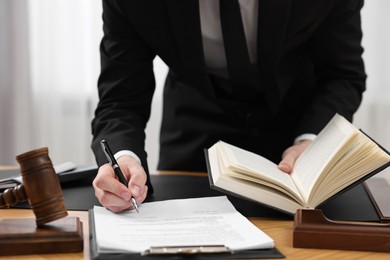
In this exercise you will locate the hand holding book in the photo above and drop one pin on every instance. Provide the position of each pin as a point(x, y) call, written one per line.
point(338, 158)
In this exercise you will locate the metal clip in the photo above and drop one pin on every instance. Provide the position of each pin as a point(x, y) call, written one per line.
point(173, 250)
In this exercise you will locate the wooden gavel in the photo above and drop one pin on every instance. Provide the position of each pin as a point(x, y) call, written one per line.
point(40, 186)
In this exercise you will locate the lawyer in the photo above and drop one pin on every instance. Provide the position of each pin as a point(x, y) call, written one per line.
point(264, 75)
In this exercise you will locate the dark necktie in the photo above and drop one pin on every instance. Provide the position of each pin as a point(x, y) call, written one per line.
point(237, 56)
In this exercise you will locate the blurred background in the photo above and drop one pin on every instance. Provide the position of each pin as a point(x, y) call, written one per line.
point(49, 65)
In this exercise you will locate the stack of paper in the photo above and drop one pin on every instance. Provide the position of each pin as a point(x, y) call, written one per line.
point(183, 222)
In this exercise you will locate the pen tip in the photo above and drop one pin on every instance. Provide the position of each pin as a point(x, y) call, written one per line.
point(135, 205)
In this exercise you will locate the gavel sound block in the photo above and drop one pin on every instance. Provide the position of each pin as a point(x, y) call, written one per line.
point(51, 231)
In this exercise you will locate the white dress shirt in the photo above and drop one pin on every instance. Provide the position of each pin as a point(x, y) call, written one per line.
point(214, 51)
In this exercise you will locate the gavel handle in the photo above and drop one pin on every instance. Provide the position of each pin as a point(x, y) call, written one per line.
point(12, 196)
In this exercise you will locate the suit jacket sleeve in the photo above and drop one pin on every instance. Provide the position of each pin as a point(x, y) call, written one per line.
point(125, 86)
point(336, 53)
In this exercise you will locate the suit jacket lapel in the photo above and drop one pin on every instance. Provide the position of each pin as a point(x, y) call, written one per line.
point(272, 26)
point(185, 19)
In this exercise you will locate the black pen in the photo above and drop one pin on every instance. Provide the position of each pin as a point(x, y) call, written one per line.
point(117, 169)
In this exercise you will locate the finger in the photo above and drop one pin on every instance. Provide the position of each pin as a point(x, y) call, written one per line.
point(137, 187)
point(291, 154)
point(105, 181)
point(141, 198)
point(111, 201)
point(288, 160)
point(117, 209)
point(137, 181)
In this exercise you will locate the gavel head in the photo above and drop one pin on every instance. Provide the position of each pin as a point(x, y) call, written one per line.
point(41, 186)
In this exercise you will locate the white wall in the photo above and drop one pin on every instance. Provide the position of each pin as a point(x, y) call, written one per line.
point(374, 114)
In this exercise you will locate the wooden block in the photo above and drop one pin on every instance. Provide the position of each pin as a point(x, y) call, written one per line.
point(379, 191)
point(22, 236)
point(313, 230)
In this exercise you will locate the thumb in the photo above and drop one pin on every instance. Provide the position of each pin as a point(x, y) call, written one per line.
point(291, 154)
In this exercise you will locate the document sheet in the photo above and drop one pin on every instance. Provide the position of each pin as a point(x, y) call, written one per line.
point(181, 222)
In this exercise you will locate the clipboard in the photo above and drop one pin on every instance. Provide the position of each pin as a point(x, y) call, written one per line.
point(271, 253)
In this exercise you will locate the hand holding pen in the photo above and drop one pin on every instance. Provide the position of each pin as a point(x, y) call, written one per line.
point(110, 157)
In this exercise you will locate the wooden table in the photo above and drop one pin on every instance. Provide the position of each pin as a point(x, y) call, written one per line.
point(279, 230)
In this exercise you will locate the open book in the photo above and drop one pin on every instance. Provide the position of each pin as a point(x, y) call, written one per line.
point(340, 157)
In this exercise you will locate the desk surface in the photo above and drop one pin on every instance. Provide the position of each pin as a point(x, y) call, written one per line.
point(279, 230)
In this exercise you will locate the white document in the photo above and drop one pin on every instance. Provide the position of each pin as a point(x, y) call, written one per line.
point(182, 222)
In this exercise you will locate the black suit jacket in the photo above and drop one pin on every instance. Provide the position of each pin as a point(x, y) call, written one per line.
point(309, 62)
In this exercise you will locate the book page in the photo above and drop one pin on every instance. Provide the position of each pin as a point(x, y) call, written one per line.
point(263, 194)
point(182, 222)
point(250, 166)
point(363, 156)
point(319, 154)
